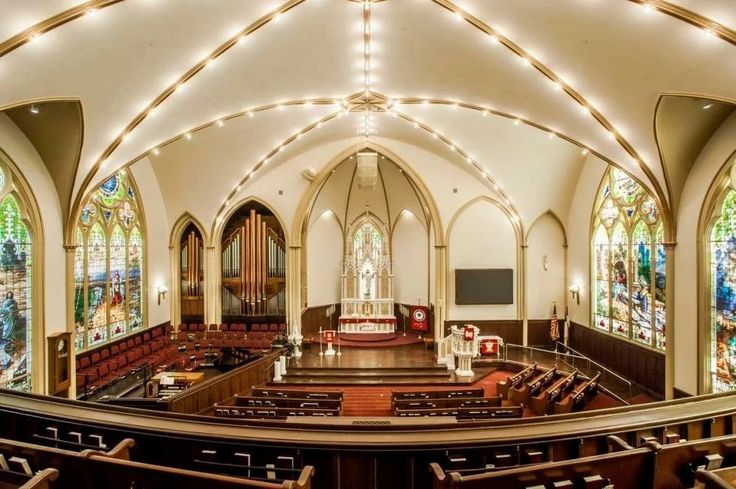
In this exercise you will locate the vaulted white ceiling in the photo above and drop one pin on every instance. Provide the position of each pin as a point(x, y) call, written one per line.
point(558, 79)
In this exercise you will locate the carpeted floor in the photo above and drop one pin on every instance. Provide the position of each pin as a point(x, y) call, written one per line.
point(397, 340)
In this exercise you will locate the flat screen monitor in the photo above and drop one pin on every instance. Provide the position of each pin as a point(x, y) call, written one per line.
point(484, 286)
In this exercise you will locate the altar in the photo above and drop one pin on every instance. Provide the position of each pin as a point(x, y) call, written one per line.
point(367, 303)
point(367, 324)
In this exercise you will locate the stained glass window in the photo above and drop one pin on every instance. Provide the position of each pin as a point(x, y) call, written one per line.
point(723, 297)
point(108, 264)
point(628, 262)
point(15, 295)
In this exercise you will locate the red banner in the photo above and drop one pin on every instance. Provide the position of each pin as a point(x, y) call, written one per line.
point(329, 335)
point(468, 334)
point(419, 318)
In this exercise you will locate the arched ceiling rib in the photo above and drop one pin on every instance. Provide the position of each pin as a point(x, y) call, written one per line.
point(617, 57)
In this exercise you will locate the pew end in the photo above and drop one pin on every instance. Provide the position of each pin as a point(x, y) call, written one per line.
point(121, 451)
point(717, 479)
point(42, 479)
point(616, 444)
point(442, 479)
point(304, 481)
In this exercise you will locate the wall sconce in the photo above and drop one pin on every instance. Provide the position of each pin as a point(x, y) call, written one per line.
point(161, 293)
point(575, 291)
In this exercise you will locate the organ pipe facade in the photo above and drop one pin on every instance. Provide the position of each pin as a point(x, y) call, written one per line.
point(191, 256)
point(254, 266)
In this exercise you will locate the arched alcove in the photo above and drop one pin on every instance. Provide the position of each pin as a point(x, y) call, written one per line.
point(546, 267)
point(252, 264)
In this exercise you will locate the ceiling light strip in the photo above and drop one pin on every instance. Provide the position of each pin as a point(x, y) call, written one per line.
point(464, 154)
point(576, 96)
point(693, 18)
point(220, 50)
point(221, 120)
point(52, 23)
point(277, 149)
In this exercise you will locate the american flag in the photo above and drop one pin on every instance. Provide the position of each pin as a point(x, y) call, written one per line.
point(554, 326)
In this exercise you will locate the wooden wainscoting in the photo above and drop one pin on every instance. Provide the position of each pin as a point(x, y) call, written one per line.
point(508, 329)
point(538, 332)
point(639, 364)
point(314, 317)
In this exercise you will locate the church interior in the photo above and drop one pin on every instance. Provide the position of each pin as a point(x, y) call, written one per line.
point(368, 244)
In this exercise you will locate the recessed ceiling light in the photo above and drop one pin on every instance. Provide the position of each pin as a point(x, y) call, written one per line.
point(708, 106)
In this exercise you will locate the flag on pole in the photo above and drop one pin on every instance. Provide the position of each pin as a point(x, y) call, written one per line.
point(554, 327)
point(567, 324)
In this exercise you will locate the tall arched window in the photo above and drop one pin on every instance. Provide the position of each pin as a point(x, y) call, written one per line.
point(722, 251)
point(108, 264)
point(628, 262)
point(16, 298)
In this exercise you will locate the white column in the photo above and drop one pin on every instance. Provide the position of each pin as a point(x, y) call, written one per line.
point(440, 291)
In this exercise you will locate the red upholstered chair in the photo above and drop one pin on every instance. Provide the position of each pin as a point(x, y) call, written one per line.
point(104, 354)
point(282, 327)
point(202, 327)
point(114, 350)
point(131, 344)
point(138, 341)
point(123, 347)
point(273, 327)
point(84, 363)
point(223, 327)
point(156, 333)
point(96, 358)
point(146, 337)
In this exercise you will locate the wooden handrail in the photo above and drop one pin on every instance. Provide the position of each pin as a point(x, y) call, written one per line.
point(121, 451)
point(41, 479)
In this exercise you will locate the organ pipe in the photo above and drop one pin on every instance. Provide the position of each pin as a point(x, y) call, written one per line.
point(253, 254)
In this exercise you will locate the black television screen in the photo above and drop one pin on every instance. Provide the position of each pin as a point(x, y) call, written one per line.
point(484, 286)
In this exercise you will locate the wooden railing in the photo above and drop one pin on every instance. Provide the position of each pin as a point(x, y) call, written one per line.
point(375, 452)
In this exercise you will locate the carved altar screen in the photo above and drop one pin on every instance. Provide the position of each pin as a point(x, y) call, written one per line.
point(367, 276)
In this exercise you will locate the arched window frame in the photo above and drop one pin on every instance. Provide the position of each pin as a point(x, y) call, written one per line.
point(15, 186)
point(112, 213)
point(722, 190)
point(623, 209)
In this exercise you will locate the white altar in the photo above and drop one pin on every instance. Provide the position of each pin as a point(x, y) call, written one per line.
point(367, 280)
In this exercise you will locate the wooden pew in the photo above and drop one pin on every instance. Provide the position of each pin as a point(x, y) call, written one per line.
point(577, 399)
point(465, 413)
point(93, 469)
point(287, 402)
point(41, 480)
point(677, 463)
point(455, 402)
point(271, 412)
point(438, 394)
point(717, 479)
point(542, 404)
point(502, 387)
point(633, 469)
point(296, 394)
point(522, 394)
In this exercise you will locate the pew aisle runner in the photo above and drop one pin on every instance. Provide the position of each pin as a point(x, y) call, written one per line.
point(371, 401)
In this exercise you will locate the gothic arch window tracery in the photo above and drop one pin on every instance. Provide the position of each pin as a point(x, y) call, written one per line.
point(721, 250)
point(108, 264)
point(16, 294)
point(628, 262)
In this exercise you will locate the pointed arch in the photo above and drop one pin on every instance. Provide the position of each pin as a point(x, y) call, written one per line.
point(553, 215)
point(109, 264)
point(716, 287)
point(627, 267)
point(199, 290)
point(22, 330)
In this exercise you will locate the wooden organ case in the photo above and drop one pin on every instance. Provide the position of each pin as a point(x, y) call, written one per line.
point(191, 255)
point(254, 266)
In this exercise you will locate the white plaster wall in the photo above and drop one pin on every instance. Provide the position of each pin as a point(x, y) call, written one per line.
point(410, 257)
point(23, 154)
point(545, 286)
point(482, 236)
point(709, 162)
point(157, 241)
point(324, 254)
point(578, 235)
